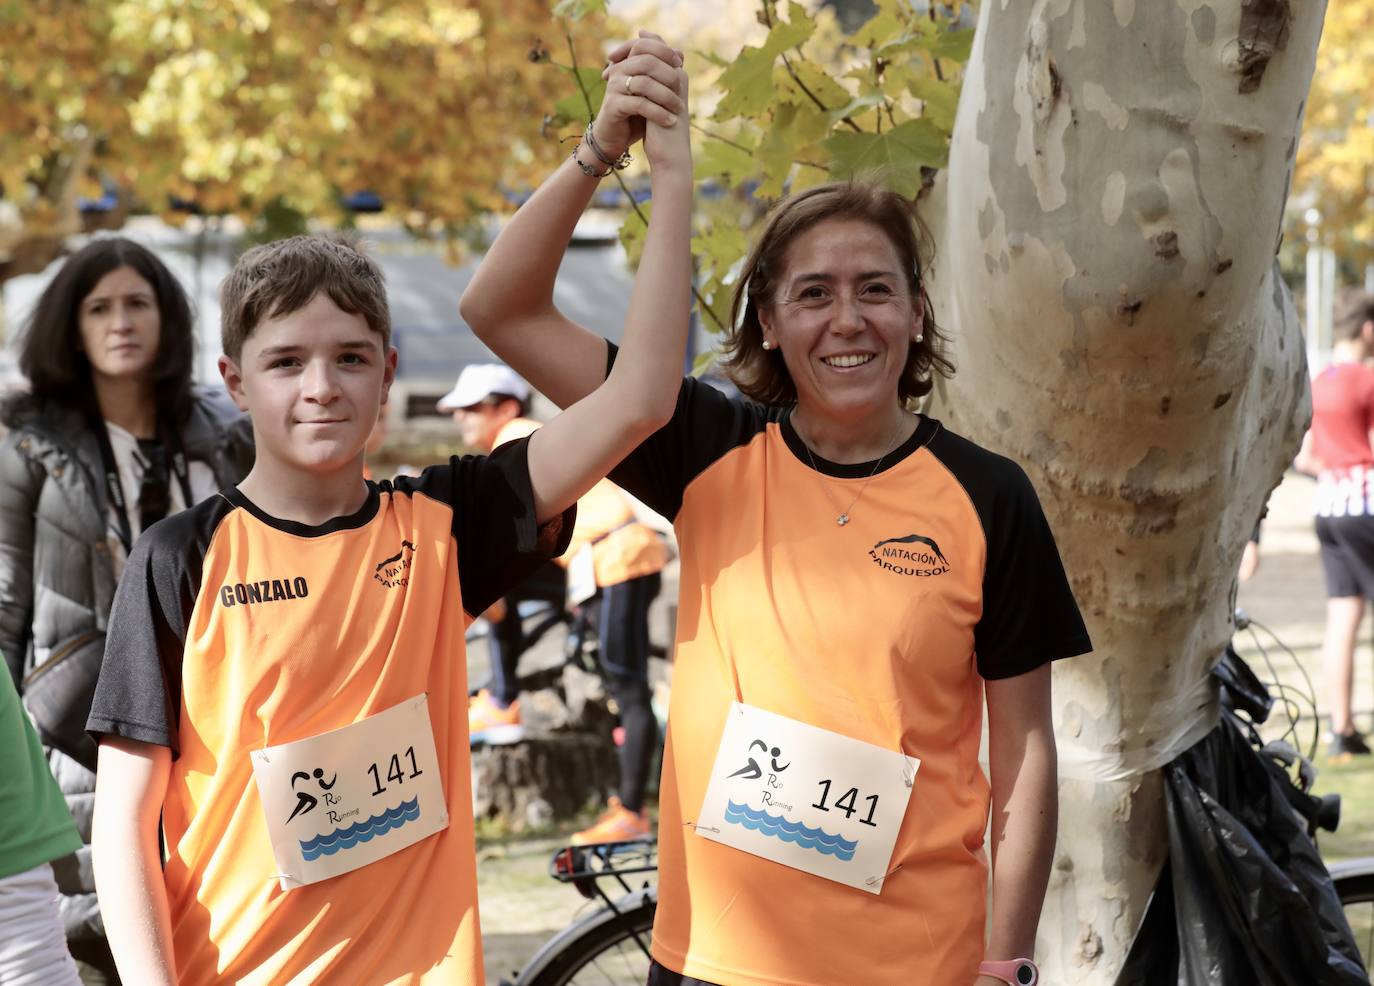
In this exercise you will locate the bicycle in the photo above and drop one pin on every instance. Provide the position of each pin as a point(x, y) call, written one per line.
point(610, 945)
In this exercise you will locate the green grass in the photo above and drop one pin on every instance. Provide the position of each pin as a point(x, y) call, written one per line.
point(1354, 781)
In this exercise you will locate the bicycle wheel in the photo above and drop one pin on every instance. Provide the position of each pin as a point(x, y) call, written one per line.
point(603, 949)
point(1355, 886)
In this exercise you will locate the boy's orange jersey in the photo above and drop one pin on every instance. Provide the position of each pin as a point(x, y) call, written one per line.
point(233, 630)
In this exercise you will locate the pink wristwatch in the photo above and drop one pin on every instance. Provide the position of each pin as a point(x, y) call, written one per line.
point(1015, 972)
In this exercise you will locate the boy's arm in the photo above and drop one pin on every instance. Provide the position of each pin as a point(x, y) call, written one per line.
point(1025, 808)
point(509, 302)
point(131, 781)
point(586, 441)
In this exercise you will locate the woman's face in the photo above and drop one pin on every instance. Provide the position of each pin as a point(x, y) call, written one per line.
point(120, 325)
point(843, 318)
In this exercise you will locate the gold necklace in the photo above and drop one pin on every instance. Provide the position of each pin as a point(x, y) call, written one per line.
point(843, 517)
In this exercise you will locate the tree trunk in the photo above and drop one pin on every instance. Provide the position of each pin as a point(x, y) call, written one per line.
point(1107, 229)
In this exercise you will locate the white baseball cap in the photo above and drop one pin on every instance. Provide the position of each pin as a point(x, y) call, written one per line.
point(479, 381)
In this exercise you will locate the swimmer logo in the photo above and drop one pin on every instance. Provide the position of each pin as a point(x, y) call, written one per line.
point(914, 555)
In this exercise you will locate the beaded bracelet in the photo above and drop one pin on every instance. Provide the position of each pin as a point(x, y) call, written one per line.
point(619, 164)
point(587, 169)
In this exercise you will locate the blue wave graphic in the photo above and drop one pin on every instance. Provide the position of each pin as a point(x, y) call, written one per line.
point(795, 832)
point(364, 831)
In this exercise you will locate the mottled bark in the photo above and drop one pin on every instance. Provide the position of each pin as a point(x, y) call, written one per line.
point(1107, 228)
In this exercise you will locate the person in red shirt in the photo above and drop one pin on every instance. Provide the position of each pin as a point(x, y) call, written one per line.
point(1337, 450)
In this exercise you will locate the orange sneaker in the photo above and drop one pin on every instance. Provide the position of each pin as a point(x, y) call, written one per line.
point(489, 723)
point(616, 824)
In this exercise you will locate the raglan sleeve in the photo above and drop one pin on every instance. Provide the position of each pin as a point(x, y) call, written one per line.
point(499, 542)
point(138, 693)
point(706, 424)
point(1030, 616)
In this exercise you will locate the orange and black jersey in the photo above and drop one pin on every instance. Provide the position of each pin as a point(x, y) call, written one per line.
point(883, 629)
point(233, 630)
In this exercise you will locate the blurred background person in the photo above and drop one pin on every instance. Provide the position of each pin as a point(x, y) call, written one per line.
point(613, 563)
point(1337, 451)
point(111, 436)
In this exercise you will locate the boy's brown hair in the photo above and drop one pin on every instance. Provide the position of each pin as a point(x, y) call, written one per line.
point(760, 374)
point(276, 279)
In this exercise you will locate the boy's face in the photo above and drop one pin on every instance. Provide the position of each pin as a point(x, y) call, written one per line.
point(313, 382)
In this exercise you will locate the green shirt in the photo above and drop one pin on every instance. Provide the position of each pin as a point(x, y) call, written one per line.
point(35, 825)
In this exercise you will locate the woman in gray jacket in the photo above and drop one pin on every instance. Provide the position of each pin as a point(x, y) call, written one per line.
point(111, 437)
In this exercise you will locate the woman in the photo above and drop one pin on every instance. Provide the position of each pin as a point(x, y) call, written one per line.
point(849, 571)
point(110, 437)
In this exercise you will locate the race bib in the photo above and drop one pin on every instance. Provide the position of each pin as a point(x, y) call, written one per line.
point(341, 800)
point(581, 576)
point(806, 797)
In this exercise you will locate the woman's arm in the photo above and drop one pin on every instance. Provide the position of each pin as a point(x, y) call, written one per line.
point(1306, 460)
point(1025, 808)
point(591, 437)
point(130, 784)
point(20, 482)
point(509, 302)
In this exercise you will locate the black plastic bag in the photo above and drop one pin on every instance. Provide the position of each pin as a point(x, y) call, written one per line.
point(1245, 899)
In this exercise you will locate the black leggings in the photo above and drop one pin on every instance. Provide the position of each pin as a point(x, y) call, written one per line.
point(659, 976)
point(507, 639)
point(623, 632)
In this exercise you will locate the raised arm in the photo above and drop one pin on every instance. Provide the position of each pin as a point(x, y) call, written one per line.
point(131, 781)
point(587, 440)
point(509, 302)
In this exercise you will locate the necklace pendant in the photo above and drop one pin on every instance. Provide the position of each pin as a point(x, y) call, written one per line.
point(842, 519)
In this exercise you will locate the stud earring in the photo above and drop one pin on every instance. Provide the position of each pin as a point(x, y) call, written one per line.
point(767, 344)
point(920, 336)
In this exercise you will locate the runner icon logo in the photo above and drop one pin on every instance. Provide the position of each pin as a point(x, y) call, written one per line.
point(752, 771)
point(915, 555)
point(306, 802)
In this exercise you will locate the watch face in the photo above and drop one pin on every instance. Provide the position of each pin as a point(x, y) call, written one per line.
point(1025, 974)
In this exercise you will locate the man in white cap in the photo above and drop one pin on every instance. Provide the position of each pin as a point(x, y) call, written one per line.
point(621, 559)
point(490, 402)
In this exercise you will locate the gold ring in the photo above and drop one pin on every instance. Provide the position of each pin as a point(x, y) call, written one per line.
point(628, 90)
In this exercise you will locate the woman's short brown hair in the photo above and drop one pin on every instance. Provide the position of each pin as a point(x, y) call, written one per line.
point(276, 279)
point(757, 372)
point(1353, 309)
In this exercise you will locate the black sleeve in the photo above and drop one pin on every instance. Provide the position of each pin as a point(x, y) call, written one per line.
point(1029, 613)
point(706, 424)
point(138, 695)
point(499, 543)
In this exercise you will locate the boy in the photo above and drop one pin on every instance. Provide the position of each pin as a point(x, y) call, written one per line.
point(284, 680)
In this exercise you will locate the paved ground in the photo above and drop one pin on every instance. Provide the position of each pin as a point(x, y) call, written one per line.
point(522, 907)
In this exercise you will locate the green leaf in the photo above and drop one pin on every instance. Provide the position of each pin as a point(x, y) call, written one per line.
point(747, 84)
point(881, 28)
point(856, 106)
point(895, 156)
point(939, 101)
point(575, 10)
point(573, 108)
point(777, 151)
point(819, 83)
point(717, 159)
point(793, 33)
point(722, 243)
point(954, 46)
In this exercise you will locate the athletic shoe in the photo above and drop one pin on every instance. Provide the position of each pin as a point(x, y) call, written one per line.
point(1344, 745)
point(490, 724)
point(616, 824)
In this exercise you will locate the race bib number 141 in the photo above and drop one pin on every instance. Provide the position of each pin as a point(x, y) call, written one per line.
point(343, 799)
point(807, 798)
